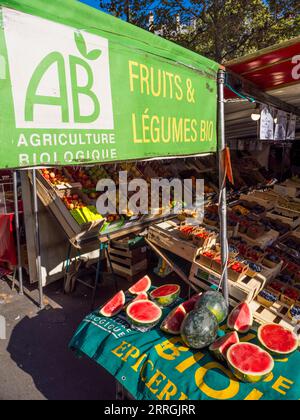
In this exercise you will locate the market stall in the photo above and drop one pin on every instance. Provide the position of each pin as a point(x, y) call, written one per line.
point(158, 102)
point(151, 102)
point(263, 281)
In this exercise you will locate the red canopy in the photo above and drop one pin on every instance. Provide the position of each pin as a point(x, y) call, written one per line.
point(271, 68)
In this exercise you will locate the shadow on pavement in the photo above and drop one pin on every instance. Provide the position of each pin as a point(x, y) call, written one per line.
point(39, 346)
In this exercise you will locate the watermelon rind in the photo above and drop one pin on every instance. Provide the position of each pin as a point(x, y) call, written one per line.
point(244, 376)
point(108, 311)
point(214, 302)
point(199, 328)
point(220, 347)
point(276, 353)
point(166, 300)
point(232, 325)
point(165, 325)
point(136, 290)
point(139, 323)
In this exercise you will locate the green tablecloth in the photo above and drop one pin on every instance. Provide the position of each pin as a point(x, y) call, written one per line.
point(155, 366)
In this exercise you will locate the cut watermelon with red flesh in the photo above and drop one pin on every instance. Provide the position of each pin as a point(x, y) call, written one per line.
point(114, 305)
point(249, 363)
point(143, 313)
point(172, 323)
point(277, 340)
point(189, 305)
point(143, 285)
point(141, 296)
point(241, 318)
point(220, 347)
point(165, 295)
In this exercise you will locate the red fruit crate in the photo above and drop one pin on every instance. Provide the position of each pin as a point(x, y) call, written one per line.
point(166, 236)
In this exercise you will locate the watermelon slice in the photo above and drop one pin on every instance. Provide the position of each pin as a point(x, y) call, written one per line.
point(241, 318)
point(141, 296)
point(143, 285)
point(114, 305)
point(172, 323)
point(220, 347)
point(277, 340)
point(165, 295)
point(143, 313)
point(189, 305)
point(249, 363)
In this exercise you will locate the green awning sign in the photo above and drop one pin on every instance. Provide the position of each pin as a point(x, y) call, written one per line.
point(79, 86)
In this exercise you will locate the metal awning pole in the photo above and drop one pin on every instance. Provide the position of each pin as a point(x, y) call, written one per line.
point(17, 225)
point(37, 240)
point(222, 184)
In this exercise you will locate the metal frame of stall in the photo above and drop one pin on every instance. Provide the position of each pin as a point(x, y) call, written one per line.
point(223, 205)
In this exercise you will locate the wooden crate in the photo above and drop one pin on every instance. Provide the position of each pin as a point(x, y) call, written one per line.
point(287, 217)
point(263, 199)
point(126, 261)
point(53, 202)
point(277, 314)
point(246, 289)
point(126, 268)
point(288, 188)
point(271, 273)
point(136, 254)
point(264, 241)
point(165, 235)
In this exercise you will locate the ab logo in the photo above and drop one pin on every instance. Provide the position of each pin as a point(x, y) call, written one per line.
point(60, 77)
point(2, 328)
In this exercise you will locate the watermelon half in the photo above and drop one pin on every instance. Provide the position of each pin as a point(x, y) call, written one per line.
point(143, 313)
point(220, 347)
point(241, 318)
point(172, 323)
point(143, 285)
point(277, 340)
point(249, 363)
point(165, 295)
point(114, 305)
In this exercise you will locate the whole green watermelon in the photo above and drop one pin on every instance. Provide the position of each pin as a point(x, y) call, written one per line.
point(199, 328)
point(215, 303)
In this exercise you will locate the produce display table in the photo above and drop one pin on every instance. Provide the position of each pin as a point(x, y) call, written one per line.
point(156, 366)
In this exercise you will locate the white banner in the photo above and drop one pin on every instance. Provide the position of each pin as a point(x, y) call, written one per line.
point(266, 124)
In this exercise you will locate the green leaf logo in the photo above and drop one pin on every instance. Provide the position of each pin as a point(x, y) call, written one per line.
point(82, 48)
point(94, 55)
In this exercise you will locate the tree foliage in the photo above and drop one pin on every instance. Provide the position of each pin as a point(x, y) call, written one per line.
point(219, 29)
point(133, 11)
